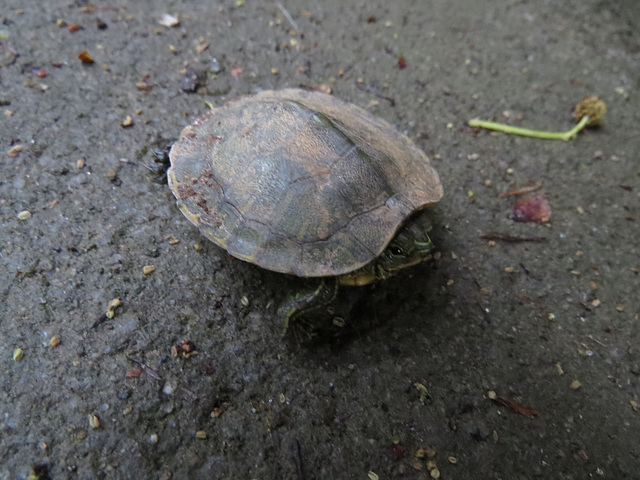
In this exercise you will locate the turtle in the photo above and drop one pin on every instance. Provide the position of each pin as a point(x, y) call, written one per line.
point(302, 183)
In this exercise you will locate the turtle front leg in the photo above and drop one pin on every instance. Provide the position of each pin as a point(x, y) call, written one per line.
point(304, 302)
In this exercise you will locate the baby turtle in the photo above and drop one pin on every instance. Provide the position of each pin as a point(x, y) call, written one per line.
point(305, 184)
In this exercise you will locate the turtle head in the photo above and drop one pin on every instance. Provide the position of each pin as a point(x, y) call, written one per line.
point(410, 246)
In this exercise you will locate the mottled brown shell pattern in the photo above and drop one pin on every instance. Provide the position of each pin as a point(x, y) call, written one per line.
point(299, 182)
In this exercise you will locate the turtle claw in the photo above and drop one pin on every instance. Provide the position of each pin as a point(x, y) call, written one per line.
point(298, 310)
point(306, 301)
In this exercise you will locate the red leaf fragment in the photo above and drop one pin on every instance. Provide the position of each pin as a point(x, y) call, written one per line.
point(90, 7)
point(134, 372)
point(517, 407)
point(147, 369)
point(75, 28)
point(397, 451)
point(402, 63)
point(85, 57)
point(534, 208)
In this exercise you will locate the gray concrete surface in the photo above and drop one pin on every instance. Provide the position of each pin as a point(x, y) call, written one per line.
point(347, 407)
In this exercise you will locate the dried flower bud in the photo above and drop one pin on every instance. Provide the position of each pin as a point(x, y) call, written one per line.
point(591, 106)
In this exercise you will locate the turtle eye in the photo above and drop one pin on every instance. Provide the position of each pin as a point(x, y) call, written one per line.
point(395, 251)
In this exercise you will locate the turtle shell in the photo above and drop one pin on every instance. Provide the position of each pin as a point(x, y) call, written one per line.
point(299, 182)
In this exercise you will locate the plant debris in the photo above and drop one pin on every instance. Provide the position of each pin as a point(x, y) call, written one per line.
point(424, 393)
point(112, 307)
point(512, 405)
point(146, 369)
point(588, 113)
point(101, 319)
point(14, 151)
point(186, 349)
point(363, 87)
point(18, 353)
point(510, 238)
point(533, 208)
point(133, 372)
point(521, 191)
point(127, 122)
point(86, 58)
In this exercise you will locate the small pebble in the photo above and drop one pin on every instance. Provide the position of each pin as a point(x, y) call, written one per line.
point(215, 65)
point(168, 389)
point(167, 20)
point(18, 353)
point(190, 81)
point(147, 269)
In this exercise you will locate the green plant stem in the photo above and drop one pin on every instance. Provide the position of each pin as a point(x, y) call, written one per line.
point(527, 132)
